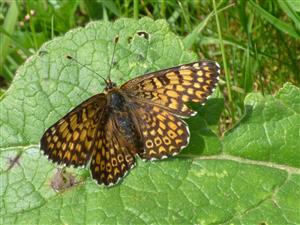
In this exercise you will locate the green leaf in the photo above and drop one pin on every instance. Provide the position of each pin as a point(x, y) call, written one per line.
point(269, 130)
point(209, 183)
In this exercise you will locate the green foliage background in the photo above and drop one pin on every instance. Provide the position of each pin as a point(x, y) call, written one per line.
point(242, 164)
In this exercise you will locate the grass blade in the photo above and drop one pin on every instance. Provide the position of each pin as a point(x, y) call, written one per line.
point(279, 24)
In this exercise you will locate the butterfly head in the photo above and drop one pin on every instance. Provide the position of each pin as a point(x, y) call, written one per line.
point(110, 85)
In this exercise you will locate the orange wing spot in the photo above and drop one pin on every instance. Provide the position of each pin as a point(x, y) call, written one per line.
point(78, 147)
point(155, 109)
point(196, 66)
point(179, 88)
point(206, 68)
point(162, 125)
point(157, 141)
point(75, 135)
point(185, 98)
point(54, 152)
point(152, 152)
point(120, 158)
point(112, 150)
point(64, 145)
point(172, 94)
point(170, 75)
point(200, 79)
point(157, 83)
point(65, 133)
point(97, 169)
point(205, 88)
point(161, 117)
point(49, 139)
point(171, 134)
point(74, 158)
point(180, 132)
point(83, 135)
point(51, 145)
point(186, 83)
point(88, 144)
point(185, 72)
point(55, 138)
point(163, 97)
point(178, 141)
point(149, 144)
point(173, 104)
point(166, 140)
point(98, 157)
point(200, 73)
point(60, 154)
point(190, 91)
point(208, 75)
point(102, 165)
point(107, 155)
point(114, 162)
point(99, 143)
point(160, 131)
point(69, 136)
point(128, 158)
point(152, 132)
point(108, 167)
point(58, 144)
point(197, 85)
point(63, 126)
point(103, 151)
point(67, 156)
point(71, 146)
point(116, 171)
point(174, 80)
point(84, 118)
point(161, 149)
point(199, 94)
point(172, 125)
point(189, 78)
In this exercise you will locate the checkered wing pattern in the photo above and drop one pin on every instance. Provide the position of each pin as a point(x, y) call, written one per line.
point(163, 133)
point(70, 140)
point(172, 88)
point(114, 155)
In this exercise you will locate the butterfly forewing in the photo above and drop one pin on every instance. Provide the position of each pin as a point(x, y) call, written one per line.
point(70, 140)
point(172, 88)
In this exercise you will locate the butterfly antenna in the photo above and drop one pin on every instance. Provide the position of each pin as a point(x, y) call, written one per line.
point(112, 58)
point(75, 60)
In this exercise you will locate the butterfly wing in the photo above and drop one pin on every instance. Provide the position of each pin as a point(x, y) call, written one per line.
point(114, 155)
point(163, 133)
point(70, 140)
point(172, 88)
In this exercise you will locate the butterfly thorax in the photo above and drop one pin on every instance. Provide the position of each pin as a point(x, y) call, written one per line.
point(119, 110)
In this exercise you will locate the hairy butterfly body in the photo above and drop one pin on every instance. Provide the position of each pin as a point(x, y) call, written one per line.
point(140, 118)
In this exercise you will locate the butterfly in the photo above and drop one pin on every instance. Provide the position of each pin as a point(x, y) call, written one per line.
point(142, 117)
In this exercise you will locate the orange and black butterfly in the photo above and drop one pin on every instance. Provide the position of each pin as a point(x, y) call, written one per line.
point(140, 118)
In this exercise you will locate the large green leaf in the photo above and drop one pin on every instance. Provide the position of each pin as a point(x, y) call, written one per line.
point(205, 184)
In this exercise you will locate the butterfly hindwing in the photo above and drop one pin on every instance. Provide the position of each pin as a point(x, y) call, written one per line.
point(114, 156)
point(163, 133)
point(69, 141)
point(172, 88)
